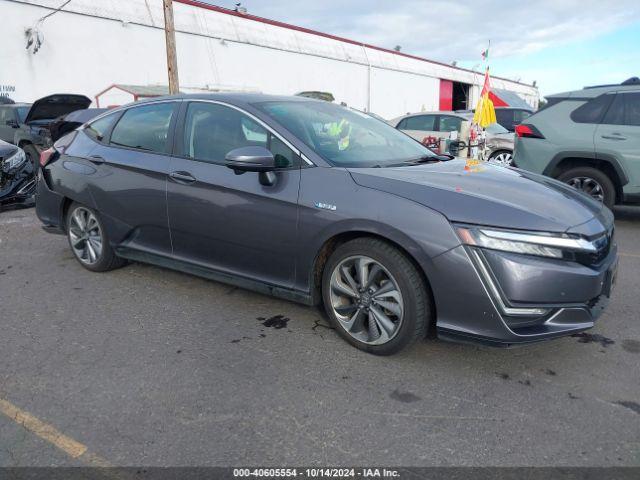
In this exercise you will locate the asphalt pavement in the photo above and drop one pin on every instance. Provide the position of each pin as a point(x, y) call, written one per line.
point(146, 366)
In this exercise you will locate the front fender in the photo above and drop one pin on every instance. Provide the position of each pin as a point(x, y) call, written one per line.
point(423, 233)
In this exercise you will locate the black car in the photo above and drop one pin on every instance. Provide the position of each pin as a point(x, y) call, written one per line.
point(322, 204)
point(12, 117)
point(17, 179)
point(33, 133)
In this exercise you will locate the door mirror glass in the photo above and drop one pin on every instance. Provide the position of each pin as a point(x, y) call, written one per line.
point(12, 123)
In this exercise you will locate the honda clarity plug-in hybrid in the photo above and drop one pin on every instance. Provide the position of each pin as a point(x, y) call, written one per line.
point(321, 204)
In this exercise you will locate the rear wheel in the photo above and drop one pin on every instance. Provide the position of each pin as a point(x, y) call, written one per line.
point(591, 181)
point(375, 296)
point(88, 240)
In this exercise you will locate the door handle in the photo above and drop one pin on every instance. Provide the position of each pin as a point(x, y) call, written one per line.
point(97, 159)
point(614, 136)
point(182, 177)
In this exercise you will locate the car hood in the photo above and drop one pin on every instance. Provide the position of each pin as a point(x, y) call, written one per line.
point(484, 194)
point(53, 106)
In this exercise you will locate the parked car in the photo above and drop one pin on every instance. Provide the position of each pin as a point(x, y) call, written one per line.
point(12, 116)
point(33, 134)
point(588, 138)
point(510, 117)
point(507, 117)
point(317, 203)
point(440, 124)
point(69, 122)
point(17, 176)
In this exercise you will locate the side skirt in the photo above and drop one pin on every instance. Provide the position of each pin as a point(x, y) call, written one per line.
point(218, 276)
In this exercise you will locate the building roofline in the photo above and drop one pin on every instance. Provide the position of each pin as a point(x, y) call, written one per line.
point(276, 23)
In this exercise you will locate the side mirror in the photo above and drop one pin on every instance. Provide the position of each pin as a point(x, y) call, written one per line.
point(12, 124)
point(253, 159)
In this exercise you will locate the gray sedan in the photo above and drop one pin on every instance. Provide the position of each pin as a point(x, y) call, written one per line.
point(499, 141)
point(320, 204)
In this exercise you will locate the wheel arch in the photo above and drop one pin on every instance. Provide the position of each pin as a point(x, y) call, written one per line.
point(338, 238)
point(606, 163)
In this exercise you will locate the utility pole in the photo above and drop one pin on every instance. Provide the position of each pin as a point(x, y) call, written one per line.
point(170, 37)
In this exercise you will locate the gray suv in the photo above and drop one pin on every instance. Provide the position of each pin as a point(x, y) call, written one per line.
point(320, 204)
point(588, 138)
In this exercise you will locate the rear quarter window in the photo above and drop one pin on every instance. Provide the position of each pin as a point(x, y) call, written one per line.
point(99, 128)
point(593, 111)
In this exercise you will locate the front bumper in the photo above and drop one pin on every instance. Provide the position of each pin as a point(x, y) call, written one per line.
point(477, 292)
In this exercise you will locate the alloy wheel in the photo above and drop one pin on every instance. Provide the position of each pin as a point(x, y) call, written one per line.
point(366, 300)
point(85, 236)
point(589, 186)
point(505, 159)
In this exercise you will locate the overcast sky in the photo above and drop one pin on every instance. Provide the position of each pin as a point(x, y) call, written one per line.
point(562, 44)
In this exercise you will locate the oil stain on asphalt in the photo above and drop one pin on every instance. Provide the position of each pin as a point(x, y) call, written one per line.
point(585, 337)
point(277, 321)
point(404, 397)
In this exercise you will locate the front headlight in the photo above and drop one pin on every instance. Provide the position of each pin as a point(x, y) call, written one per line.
point(527, 243)
point(14, 160)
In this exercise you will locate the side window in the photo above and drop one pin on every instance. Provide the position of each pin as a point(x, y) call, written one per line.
point(632, 109)
point(450, 124)
point(520, 115)
point(145, 127)
point(593, 110)
point(5, 115)
point(421, 122)
point(625, 110)
point(402, 125)
point(211, 131)
point(98, 128)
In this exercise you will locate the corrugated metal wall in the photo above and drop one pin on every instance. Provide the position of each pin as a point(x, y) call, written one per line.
point(92, 44)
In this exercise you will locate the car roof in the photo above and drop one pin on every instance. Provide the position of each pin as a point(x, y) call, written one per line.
point(597, 90)
point(241, 98)
point(17, 104)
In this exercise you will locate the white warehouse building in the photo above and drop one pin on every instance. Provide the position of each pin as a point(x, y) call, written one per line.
point(90, 47)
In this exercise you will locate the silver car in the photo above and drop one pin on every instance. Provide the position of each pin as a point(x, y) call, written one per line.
point(499, 141)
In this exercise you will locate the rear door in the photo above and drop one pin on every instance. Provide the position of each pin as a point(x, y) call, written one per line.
point(619, 134)
point(419, 126)
point(225, 221)
point(132, 164)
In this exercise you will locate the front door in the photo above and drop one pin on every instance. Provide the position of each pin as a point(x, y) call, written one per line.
point(225, 221)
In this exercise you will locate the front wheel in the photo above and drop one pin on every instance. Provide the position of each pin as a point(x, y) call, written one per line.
point(375, 297)
point(594, 183)
point(88, 240)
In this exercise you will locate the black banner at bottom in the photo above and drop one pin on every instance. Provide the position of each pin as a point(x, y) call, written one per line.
point(405, 473)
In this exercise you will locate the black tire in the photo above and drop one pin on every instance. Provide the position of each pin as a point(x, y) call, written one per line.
point(32, 155)
point(417, 305)
point(601, 178)
point(107, 259)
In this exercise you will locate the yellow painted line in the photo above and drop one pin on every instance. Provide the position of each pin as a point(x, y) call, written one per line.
point(46, 432)
point(43, 430)
point(634, 255)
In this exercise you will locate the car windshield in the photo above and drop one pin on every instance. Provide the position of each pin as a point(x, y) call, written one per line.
point(345, 137)
point(22, 113)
